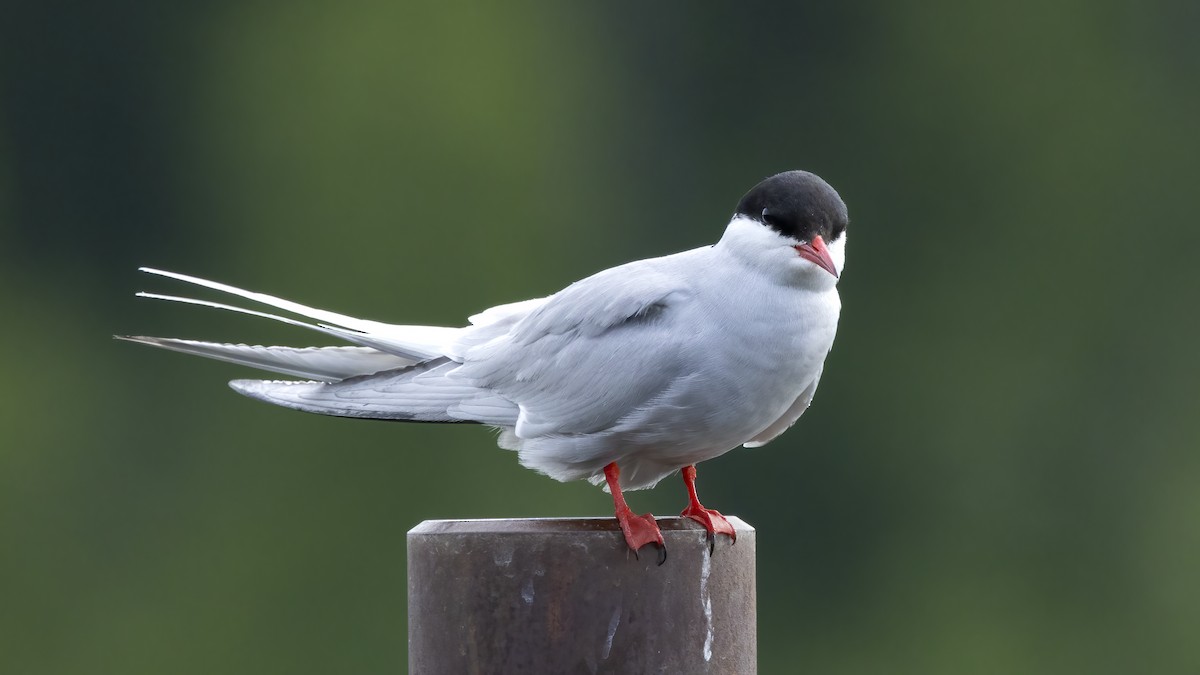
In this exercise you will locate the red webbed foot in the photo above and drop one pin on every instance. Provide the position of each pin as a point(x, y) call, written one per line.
point(639, 530)
point(711, 519)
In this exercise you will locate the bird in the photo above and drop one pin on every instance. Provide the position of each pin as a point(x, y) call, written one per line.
point(622, 378)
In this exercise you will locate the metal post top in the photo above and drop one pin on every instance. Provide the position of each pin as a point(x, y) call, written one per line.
point(548, 526)
point(567, 595)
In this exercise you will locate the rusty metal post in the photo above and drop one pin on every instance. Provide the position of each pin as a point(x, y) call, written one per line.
point(565, 595)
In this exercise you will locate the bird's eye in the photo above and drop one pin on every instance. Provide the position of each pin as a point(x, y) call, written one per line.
point(783, 223)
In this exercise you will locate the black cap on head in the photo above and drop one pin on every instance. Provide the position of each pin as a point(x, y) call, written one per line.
point(796, 204)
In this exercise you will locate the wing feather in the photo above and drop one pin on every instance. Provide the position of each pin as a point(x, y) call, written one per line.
point(580, 336)
point(420, 393)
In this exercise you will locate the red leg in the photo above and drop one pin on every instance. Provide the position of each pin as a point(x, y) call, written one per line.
point(711, 519)
point(639, 530)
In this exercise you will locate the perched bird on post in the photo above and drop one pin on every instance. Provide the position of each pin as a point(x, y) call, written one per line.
point(622, 378)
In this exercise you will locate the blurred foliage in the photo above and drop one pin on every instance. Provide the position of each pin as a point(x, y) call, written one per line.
point(1000, 473)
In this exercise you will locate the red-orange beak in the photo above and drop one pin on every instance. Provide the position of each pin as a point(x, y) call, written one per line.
point(816, 253)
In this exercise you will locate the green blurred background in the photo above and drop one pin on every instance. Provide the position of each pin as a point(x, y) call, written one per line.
point(999, 475)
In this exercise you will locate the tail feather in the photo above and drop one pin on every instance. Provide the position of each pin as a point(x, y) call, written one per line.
point(417, 343)
point(328, 364)
point(396, 373)
point(351, 336)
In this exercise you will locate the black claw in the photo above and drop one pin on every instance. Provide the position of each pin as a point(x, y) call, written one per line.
point(712, 543)
point(662, 553)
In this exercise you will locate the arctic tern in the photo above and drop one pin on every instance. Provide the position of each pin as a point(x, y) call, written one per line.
point(622, 378)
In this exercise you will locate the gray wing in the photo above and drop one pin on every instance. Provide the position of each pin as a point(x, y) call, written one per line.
point(420, 393)
point(588, 356)
point(601, 302)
